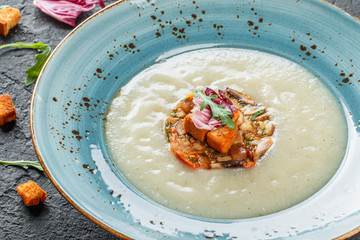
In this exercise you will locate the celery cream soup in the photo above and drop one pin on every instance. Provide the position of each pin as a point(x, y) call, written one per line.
point(310, 136)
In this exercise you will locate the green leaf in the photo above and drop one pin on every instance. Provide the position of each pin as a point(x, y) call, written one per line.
point(193, 160)
point(167, 128)
point(4, 6)
point(23, 164)
point(44, 53)
point(217, 110)
point(256, 114)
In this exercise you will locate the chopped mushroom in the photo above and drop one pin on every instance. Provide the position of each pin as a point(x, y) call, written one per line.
point(246, 126)
point(264, 144)
point(252, 110)
point(240, 97)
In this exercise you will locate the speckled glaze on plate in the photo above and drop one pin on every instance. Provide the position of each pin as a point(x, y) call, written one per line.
point(93, 62)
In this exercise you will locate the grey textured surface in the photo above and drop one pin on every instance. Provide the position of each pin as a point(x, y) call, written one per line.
point(56, 218)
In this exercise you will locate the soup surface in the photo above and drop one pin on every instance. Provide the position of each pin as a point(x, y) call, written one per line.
point(309, 144)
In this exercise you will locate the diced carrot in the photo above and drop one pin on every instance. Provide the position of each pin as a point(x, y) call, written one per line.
point(7, 110)
point(189, 126)
point(31, 193)
point(248, 164)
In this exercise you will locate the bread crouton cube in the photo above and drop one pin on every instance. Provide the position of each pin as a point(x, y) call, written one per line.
point(189, 126)
point(9, 18)
point(31, 193)
point(222, 138)
point(7, 109)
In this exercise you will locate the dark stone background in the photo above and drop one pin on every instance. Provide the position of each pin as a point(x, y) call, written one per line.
point(56, 218)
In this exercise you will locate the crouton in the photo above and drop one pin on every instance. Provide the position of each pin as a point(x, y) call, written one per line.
point(9, 18)
point(189, 126)
point(7, 110)
point(31, 193)
point(222, 138)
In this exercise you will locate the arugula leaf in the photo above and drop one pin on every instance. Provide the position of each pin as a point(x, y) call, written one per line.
point(217, 110)
point(4, 6)
point(256, 114)
point(24, 164)
point(34, 71)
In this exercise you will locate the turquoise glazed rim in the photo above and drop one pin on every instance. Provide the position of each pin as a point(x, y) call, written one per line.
point(96, 59)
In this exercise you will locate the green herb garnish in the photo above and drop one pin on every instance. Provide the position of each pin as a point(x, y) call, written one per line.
point(248, 142)
point(4, 6)
point(23, 164)
point(34, 71)
point(217, 110)
point(193, 160)
point(255, 115)
point(167, 128)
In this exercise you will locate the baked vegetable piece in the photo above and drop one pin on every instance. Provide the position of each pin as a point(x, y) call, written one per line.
point(31, 193)
point(227, 128)
point(222, 139)
point(7, 109)
point(9, 18)
point(189, 126)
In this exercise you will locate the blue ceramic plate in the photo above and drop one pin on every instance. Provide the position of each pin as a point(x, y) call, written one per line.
point(94, 61)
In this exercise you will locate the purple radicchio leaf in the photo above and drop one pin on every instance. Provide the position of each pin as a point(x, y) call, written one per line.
point(66, 10)
point(228, 103)
point(204, 119)
point(218, 107)
point(209, 92)
point(221, 99)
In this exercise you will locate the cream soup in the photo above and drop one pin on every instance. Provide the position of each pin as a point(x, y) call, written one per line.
point(309, 144)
